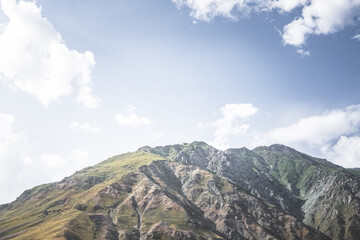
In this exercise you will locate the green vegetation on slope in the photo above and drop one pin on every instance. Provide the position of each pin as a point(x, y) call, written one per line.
point(143, 192)
point(46, 211)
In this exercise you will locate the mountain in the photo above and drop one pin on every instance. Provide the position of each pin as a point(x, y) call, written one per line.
point(193, 191)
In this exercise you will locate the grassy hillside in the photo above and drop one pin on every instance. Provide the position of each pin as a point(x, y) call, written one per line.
point(49, 211)
point(193, 191)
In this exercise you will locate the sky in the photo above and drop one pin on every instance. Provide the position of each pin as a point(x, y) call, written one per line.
point(81, 81)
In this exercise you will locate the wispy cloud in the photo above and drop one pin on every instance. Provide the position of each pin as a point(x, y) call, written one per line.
point(131, 119)
point(302, 52)
point(85, 127)
point(47, 69)
point(232, 9)
point(356, 37)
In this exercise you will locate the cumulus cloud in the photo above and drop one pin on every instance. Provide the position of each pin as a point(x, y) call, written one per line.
point(319, 130)
point(231, 122)
point(346, 152)
point(47, 69)
point(131, 119)
point(321, 17)
point(84, 127)
point(318, 16)
point(334, 135)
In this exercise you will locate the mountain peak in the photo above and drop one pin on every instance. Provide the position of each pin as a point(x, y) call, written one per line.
point(276, 147)
point(192, 191)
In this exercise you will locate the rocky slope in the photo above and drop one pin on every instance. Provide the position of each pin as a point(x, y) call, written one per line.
point(193, 191)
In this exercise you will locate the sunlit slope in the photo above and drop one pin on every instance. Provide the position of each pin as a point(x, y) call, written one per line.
point(51, 210)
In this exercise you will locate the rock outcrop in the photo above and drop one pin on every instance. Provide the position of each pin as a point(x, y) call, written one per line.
point(193, 191)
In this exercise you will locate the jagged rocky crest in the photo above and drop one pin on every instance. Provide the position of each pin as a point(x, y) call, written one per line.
point(193, 191)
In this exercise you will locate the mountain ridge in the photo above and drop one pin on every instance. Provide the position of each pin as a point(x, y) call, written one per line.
point(193, 191)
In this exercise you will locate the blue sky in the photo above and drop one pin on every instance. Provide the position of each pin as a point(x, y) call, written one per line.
point(82, 81)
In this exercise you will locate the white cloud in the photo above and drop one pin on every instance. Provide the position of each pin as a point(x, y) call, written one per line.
point(302, 52)
point(288, 5)
point(47, 69)
point(321, 17)
point(334, 135)
point(85, 127)
point(295, 32)
point(85, 95)
point(318, 130)
point(318, 16)
point(346, 152)
point(131, 119)
point(356, 37)
point(206, 10)
point(231, 122)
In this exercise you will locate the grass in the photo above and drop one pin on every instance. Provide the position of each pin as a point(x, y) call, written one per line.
point(29, 218)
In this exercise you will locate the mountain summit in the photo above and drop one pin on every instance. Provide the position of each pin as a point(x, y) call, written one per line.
point(193, 191)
